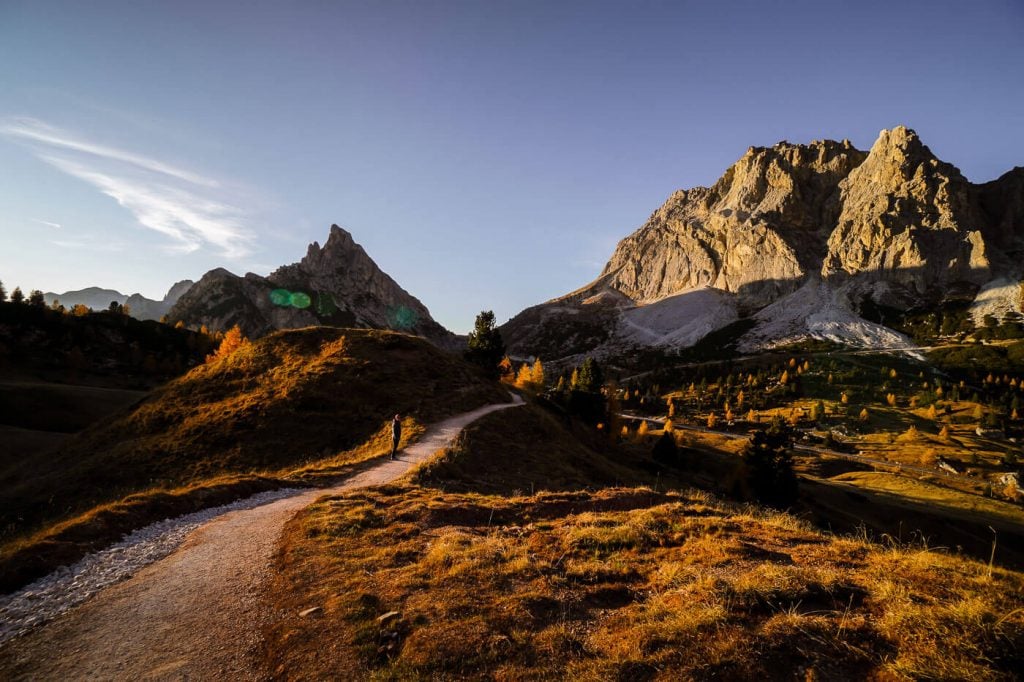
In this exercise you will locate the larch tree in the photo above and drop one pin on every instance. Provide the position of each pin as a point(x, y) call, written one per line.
point(233, 340)
point(537, 375)
point(524, 376)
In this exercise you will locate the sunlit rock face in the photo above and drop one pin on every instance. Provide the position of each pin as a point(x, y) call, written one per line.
point(909, 219)
point(756, 233)
point(336, 284)
point(894, 224)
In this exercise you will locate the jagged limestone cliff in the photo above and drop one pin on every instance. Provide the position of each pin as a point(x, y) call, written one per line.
point(894, 224)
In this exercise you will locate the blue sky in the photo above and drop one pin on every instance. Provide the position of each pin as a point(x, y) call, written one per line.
point(487, 155)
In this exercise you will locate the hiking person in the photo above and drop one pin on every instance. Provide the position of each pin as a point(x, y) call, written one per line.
point(396, 434)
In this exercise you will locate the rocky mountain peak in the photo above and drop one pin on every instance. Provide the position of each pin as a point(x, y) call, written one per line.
point(894, 224)
point(907, 218)
point(176, 290)
point(336, 284)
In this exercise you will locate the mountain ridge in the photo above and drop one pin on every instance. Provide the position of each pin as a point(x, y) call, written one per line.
point(894, 225)
point(140, 307)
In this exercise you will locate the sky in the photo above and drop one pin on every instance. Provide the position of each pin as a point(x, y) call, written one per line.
point(487, 155)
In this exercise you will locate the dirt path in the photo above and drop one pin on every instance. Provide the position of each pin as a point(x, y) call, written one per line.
point(196, 614)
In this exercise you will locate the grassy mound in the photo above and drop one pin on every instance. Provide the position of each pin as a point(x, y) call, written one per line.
point(528, 449)
point(622, 584)
point(306, 401)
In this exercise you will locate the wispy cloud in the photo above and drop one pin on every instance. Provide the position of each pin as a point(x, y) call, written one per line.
point(38, 131)
point(88, 245)
point(180, 204)
point(55, 226)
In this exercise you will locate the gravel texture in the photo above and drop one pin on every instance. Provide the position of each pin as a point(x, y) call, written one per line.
point(69, 586)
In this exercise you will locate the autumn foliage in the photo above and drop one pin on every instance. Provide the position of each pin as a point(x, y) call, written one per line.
point(233, 340)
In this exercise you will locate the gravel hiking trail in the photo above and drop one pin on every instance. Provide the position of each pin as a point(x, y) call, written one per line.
point(197, 613)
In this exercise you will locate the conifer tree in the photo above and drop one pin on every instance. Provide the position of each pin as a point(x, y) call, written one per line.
point(486, 347)
point(233, 340)
point(505, 370)
point(768, 466)
point(590, 378)
point(665, 450)
point(17, 296)
point(36, 298)
point(3, 293)
point(537, 375)
point(524, 377)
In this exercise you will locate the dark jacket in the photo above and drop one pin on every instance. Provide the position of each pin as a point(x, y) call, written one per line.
point(396, 430)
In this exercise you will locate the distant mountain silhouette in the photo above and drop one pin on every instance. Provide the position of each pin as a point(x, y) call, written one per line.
point(140, 307)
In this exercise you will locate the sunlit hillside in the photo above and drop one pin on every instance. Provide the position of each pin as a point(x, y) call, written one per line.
point(295, 404)
point(409, 582)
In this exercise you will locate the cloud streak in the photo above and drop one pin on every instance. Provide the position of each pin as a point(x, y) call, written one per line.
point(35, 130)
point(179, 204)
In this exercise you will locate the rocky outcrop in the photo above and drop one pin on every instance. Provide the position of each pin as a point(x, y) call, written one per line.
point(748, 234)
point(907, 219)
point(894, 224)
point(336, 284)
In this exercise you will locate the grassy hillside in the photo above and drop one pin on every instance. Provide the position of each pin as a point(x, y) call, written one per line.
point(529, 449)
point(622, 584)
point(297, 403)
point(493, 561)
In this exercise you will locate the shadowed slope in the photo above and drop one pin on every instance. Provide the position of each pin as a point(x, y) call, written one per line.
point(279, 403)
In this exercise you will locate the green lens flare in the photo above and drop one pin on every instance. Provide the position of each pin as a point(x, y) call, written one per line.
point(281, 297)
point(301, 300)
point(402, 318)
point(325, 305)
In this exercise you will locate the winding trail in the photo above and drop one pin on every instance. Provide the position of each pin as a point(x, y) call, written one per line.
point(196, 614)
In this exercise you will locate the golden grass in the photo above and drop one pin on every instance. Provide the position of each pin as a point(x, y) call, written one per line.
point(947, 502)
point(622, 583)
